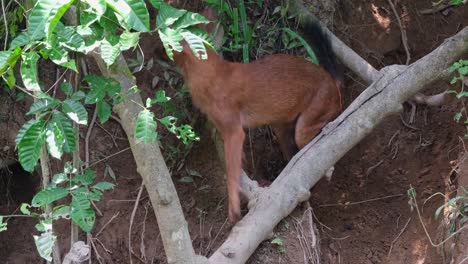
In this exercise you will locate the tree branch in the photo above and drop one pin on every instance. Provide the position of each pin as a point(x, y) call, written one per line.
point(394, 85)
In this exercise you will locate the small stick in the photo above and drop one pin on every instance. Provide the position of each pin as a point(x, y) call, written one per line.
point(434, 10)
point(361, 202)
point(404, 38)
point(103, 247)
point(398, 236)
point(6, 25)
point(132, 217)
point(406, 124)
point(88, 134)
point(107, 223)
point(90, 241)
point(369, 170)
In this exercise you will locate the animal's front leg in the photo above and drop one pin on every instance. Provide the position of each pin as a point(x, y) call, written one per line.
point(233, 138)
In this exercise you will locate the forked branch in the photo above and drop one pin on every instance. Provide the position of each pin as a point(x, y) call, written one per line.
point(393, 86)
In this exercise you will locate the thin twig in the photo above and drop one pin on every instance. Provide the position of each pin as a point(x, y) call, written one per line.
point(208, 247)
point(88, 134)
point(90, 240)
point(102, 245)
point(398, 236)
point(406, 124)
point(132, 217)
point(370, 169)
point(425, 229)
point(404, 38)
point(142, 236)
point(110, 156)
point(107, 223)
point(361, 202)
point(6, 26)
point(436, 9)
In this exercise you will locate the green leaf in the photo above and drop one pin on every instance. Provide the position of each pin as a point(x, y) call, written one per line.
point(109, 23)
point(129, 40)
point(109, 52)
point(98, 5)
point(66, 88)
point(190, 19)
point(3, 225)
point(30, 144)
point(48, 195)
point(85, 179)
point(29, 71)
point(160, 97)
point(167, 14)
point(20, 40)
point(58, 55)
point(78, 95)
point(59, 178)
point(69, 38)
point(75, 111)
point(462, 94)
point(186, 179)
point(171, 40)
point(25, 127)
point(103, 111)
point(25, 209)
point(8, 59)
point(54, 140)
point(82, 213)
point(132, 12)
point(10, 78)
point(277, 241)
point(196, 43)
point(304, 43)
point(170, 123)
point(44, 244)
point(146, 127)
point(42, 105)
point(104, 186)
point(63, 124)
point(458, 116)
point(44, 17)
point(61, 211)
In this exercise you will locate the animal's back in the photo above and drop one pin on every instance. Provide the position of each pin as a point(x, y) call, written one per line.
point(277, 88)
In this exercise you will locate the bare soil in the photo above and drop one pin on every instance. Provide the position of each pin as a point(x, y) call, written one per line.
point(360, 214)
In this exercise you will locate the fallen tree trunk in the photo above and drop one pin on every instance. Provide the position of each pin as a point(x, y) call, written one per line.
point(393, 86)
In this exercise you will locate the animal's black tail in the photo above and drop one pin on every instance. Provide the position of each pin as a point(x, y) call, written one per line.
point(321, 45)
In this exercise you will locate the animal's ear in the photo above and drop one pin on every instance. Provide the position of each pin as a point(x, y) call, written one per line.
point(210, 14)
point(214, 28)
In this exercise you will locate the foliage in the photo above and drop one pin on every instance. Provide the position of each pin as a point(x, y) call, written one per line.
point(456, 210)
point(263, 36)
point(69, 183)
point(113, 26)
point(278, 242)
point(460, 68)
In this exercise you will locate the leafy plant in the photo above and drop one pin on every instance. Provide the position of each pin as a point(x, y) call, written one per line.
point(82, 191)
point(456, 210)
point(460, 68)
point(239, 31)
point(113, 26)
point(278, 242)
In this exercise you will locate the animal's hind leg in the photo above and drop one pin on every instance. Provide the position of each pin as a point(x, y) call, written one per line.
point(311, 121)
point(285, 135)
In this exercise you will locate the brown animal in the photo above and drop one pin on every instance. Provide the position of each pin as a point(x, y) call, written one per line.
point(296, 97)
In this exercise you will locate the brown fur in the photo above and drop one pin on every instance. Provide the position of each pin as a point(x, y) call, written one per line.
point(296, 97)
